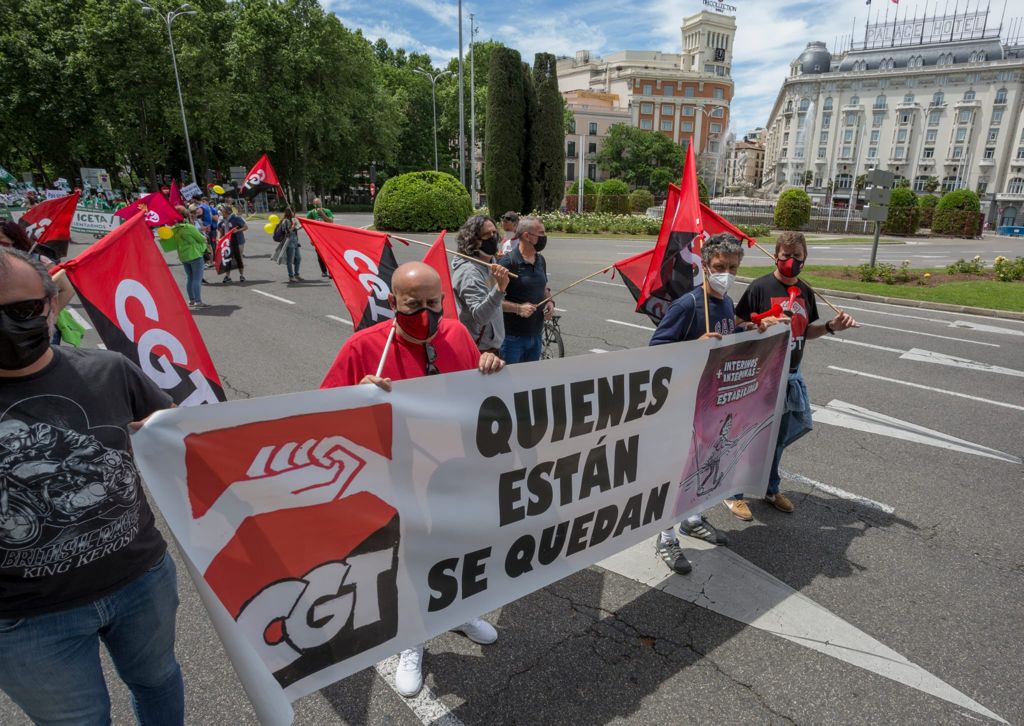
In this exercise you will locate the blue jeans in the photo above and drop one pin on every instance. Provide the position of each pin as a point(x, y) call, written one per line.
point(194, 279)
point(50, 664)
point(292, 257)
point(521, 348)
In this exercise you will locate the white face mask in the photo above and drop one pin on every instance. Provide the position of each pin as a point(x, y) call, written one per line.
point(721, 281)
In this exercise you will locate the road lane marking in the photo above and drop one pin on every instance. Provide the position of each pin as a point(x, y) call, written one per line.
point(425, 705)
point(340, 320)
point(848, 416)
point(561, 310)
point(837, 492)
point(985, 328)
point(602, 282)
point(725, 583)
point(631, 325)
point(275, 297)
point(904, 307)
point(847, 341)
point(954, 324)
point(79, 318)
point(1002, 404)
point(930, 335)
point(598, 350)
point(927, 356)
point(101, 346)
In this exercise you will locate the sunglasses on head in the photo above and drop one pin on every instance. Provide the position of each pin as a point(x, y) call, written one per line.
point(23, 310)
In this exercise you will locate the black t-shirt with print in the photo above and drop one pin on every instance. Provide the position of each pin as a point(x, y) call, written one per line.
point(766, 291)
point(77, 525)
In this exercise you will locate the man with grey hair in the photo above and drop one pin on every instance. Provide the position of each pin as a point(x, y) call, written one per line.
point(684, 320)
point(81, 559)
point(524, 317)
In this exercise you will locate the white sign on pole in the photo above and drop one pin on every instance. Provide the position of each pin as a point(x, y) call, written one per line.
point(90, 221)
point(56, 193)
point(331, 529)
point(191, 191)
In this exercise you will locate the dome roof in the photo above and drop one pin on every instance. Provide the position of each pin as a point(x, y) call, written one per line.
point(815, 58)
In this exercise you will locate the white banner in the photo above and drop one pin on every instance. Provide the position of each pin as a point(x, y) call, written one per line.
point(335, 528)
point(56, 193)
point(190, 191)
point(90, 221)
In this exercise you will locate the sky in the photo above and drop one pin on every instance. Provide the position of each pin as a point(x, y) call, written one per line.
point(770, 33)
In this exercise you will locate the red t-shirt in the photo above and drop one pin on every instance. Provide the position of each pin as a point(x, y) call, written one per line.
point(360, 355)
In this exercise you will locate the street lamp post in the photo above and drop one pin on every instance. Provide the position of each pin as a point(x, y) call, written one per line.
point(472, 110)
point(706, 110)
point(462, 109)
point(185, 9)
point(433, 97)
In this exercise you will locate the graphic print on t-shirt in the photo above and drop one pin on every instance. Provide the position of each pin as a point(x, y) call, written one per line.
point(67, 498)
point(799, 319)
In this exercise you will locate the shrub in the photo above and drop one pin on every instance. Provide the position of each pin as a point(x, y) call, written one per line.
point(640, 201)
point(589, 187)
point(702, 191)
point(974, 266)
point(1007, 271)
point(904, 216)
point(957, 222)
point(572, 203)
point(590, 223)
point(960, 199)
point(755, 230)
point(613, 197)
point(926, 204)
point(793, 210)
point(421, 201)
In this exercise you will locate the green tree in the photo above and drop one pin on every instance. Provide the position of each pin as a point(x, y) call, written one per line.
point(904, 215)
point(503, 158)
point(793, 210)
point(529, 111)
point(640, 158)
point(547, 139)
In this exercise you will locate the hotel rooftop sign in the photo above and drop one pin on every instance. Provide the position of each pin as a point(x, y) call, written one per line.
point(918, 31)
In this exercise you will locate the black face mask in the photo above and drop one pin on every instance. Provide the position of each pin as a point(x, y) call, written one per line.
point(541, 242)
point(420, 325)
point(22, 342)
point(490, 245)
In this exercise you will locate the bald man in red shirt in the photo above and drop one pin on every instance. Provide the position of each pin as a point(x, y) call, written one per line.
point(425, 343)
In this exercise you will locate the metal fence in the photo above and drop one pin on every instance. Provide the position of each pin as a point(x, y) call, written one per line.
point(822, 220)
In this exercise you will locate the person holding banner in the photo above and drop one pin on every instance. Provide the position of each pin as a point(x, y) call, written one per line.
point(81, 559)
point(418, 342)
point(684, 320)
point(524, 320)
point(238, 226)
point(480, 290)
point(801, 307)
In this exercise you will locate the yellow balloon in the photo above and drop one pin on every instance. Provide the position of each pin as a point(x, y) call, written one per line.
point(268, 228)
point(218, 189)
point(164, 232)
point(273, 219)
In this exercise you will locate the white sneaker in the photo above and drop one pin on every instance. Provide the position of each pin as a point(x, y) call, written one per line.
point(479, 631)
point(409, 674)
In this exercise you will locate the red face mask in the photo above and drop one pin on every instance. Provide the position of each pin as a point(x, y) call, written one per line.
point(420, 325)
point(790, 267)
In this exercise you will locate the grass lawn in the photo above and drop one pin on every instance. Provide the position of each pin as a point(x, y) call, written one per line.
point(976, 293)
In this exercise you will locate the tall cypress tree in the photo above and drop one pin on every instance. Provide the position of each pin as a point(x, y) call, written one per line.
point(547, 137)
point(504, 151)
point(529, 111)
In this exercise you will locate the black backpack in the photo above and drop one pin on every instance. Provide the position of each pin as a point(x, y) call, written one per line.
point(280, 232)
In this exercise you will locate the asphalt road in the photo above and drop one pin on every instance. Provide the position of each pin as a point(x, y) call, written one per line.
point(905, 542)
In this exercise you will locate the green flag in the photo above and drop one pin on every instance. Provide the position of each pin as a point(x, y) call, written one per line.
point(6, 177)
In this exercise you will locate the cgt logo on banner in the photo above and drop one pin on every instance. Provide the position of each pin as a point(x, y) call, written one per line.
point(333, 528)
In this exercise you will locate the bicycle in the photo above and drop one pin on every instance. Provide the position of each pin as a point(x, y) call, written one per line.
point(552, 345)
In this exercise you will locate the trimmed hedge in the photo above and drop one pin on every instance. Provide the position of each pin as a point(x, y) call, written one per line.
point(926, 204)
point(421, 201)
point(589, 202)
point(640, 200)
point(904, 216)
point(958, 214)
point(589, 187)
point(793, 210)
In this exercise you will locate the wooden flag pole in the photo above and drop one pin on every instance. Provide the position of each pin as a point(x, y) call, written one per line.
point(477, 260)
point(387, 347)
point(567, 287)
point(707, 314)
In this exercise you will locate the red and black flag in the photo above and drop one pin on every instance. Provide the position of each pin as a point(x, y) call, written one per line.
point(48, 225)
point(714, 224)
point(157, 211)
point(361, 263)
point(135, 305)
point(437, 257)
point(676, 266)
point(633, 270)
point(261, 178)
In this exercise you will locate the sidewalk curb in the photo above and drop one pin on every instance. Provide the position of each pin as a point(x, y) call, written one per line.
point(906, 302)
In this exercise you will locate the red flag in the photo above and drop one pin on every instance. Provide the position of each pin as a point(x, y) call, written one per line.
point(716, 224)
point(136, 307)
point(437, 257)
point(222, 254)
point(633, 269)
point(174, 196)
point(49, 223)
point(676, 267)
point(158, 211)
point(261, 178)
point(361, 263)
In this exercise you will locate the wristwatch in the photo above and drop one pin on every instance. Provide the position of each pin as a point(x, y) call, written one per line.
point(829, 328)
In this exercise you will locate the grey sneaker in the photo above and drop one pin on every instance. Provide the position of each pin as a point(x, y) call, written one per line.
point(672, 555)
point(704, 531)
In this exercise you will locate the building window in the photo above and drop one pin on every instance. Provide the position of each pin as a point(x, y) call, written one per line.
point(667, 109)
point(572, 125)
point(934, 117)
point(571, 151)
point(592, 171)
point(909, 98)
point(920, 182)
point(1001, 96)
point(666, 124)
point(939, 98)
point(648, 89)
point(845, 153)
point(874, 136)
point(904, 118)
point(958, 152)
point(990, 152)
point(689, 111)
point(880, 101)
point(997, 117)
point(668, 90)
point(969, 95)
point(785, 139)
point(848, 136)
point(827, 105)
point(872, 152)
point(717, 129)
point(823, 138)
point(982, 185)
point(855, 101)
point(899, 152)
point(592, 147)
point(821, 152)
point(717, 112)
point(948, 183)
point(993, 135)
point(713, 147)
point(961, 135)
point(826, 120)
point(719, 93)
point(688, 127)
point(1020, 152)
point(689, 91)
point(647, 108)
point(646, 124)
point(930, 136)
point(851, 119)
point(801, 122)
point(805, 103)
point(928, 152)
point(901, 136)
point(570, 172)
point(1016, 186)
point(843, 181)
point(593, 128)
